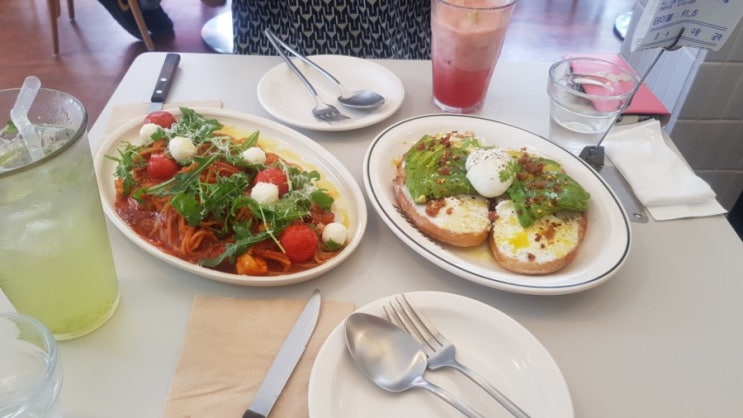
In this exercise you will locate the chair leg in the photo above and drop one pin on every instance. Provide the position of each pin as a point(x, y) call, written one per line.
point(54, 14)
point(137, 12)
point(71, 9)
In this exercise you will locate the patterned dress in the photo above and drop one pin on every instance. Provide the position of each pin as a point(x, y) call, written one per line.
point(362, 28)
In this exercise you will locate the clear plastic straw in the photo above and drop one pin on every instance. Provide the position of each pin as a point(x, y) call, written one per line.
point(19, 116)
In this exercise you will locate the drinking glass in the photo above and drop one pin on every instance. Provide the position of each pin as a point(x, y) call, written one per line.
point(586, 96)
point(55, 258)
point(30, 370)
point(466, 41)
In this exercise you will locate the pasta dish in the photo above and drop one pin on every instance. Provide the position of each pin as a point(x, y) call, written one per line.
point(222, 201)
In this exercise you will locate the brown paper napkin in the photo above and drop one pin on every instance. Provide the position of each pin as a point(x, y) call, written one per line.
point(229, 346)
point(125, 112)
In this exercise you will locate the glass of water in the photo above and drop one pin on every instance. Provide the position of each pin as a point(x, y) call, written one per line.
point(55, 257)
point(30, 371)
point(586, 96)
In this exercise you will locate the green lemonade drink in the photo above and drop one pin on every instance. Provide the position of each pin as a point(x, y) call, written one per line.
point(55, 258)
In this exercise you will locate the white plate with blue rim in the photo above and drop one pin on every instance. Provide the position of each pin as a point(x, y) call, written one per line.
point(606, 244)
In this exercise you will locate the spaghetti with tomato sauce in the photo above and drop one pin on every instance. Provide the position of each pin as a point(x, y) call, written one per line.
point(225, 203)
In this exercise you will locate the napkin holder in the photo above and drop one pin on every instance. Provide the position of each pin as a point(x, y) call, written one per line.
point(643, 105)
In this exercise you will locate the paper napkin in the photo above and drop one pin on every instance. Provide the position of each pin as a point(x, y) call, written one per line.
point(125, 112)
point(229, 346)
point(660, 178)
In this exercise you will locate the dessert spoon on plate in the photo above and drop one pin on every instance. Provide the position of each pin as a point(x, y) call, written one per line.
point(359, 99)
point(393, 359)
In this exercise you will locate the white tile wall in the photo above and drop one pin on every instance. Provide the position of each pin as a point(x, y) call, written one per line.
point(704, 92)
point(717, 92)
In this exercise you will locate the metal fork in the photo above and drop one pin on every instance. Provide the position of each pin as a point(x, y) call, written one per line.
point(322, 111)
point(440, 351)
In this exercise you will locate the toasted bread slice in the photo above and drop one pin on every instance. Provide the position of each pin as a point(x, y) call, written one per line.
point(545, 247)
point(461, 220)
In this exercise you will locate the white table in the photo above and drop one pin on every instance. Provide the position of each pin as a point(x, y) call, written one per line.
point(662, 338)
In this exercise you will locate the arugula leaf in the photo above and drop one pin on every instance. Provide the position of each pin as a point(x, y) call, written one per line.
point(235, 249)
point(275, 217)
point(333, 246)
point(159, 134)
point(194, 126)
point(322, 199)
point(187, 205)
point(279, 214)
point(217, 199)
point(210, 200)
point(128, 161)
point(181, 181)
point(232, 149)
point(301, 179)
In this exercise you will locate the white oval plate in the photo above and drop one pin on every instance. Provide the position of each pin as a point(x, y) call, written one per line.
point(606, 243)
point(488, 341)
point(283, 95)
point(287, 143)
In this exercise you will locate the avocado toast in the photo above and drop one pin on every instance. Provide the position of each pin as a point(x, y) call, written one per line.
point(533, 226)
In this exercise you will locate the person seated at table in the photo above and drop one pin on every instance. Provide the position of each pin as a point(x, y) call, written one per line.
point(158, 22)
point(362, 28)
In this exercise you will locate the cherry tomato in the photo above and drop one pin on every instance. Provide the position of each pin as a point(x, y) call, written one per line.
point(161, 118)
point(160, 167)
point(275, 176)
point(299, 242)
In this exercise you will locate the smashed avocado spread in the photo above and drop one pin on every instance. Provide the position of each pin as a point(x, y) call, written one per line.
point(435, 166)
point(540, 188)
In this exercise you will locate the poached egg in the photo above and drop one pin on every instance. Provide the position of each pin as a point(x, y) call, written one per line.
point(488, 171)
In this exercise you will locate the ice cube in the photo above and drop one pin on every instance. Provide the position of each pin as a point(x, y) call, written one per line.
point(13, 153)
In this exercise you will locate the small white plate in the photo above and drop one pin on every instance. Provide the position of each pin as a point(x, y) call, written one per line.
point(283, 95)
point(604, 248)
point(488, 341)
point(288, 143)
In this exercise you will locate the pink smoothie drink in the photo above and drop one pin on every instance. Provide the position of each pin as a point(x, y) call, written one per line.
point(466, 40)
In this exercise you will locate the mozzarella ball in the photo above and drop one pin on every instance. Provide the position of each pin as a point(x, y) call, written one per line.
point(484, 168)
point(146, 132)
point(265, 192)
point(254, 155)
point(335, 232)
point(181, 148)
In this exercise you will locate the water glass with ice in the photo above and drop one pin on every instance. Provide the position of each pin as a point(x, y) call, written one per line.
point(30, 369)
point(586, 96)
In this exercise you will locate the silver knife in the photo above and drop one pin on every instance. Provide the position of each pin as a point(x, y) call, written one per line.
point(286, 359)
point(164, 81)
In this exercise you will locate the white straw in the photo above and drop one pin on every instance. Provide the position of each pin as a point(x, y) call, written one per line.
point(19, 116)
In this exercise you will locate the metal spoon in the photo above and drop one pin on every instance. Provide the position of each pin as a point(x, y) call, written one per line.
point(392, 359)
point(359, 99)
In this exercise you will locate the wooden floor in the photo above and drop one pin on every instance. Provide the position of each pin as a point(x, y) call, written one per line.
point(95, 51)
